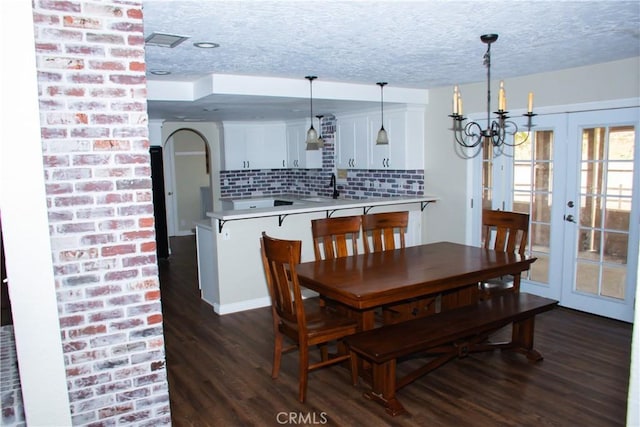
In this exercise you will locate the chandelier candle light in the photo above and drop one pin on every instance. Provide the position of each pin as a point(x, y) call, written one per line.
point(497, 131)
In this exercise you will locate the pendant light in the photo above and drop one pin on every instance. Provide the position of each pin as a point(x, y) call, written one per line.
point(383, 138)
point(312, 135)
point(320, 140)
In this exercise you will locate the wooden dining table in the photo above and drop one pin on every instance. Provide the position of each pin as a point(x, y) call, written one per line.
point(365, 282)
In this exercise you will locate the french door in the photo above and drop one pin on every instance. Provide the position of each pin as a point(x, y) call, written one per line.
point(601, 214)
point(577, 176)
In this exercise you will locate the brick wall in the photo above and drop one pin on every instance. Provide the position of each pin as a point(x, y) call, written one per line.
point(360, 184)
point(92, 88)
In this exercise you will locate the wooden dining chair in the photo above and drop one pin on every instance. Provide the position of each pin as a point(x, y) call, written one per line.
point(304, 322)
point(335, 237)
point(505, 232)
point(380, 232)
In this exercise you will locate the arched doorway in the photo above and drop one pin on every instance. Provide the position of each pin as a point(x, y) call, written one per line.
point(190, 179)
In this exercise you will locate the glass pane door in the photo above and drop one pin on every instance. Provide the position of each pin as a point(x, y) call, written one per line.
point(521, 179)
point(533, 194)
point(539, 190)
point(606, 179)
point(602, 241)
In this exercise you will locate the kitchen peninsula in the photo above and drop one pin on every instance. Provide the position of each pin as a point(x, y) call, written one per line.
point(230, 272)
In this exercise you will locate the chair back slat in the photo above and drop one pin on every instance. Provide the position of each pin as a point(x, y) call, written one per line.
point(379, 230)
point(505, 231)
point(280, 258)
point(335, 237)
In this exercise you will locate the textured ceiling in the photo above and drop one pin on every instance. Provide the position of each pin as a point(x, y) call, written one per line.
point(414, 44)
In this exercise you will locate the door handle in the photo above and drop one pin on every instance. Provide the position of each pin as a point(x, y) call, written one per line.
point(569, 218)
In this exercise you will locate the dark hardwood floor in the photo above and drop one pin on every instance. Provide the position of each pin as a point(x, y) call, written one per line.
point(219, 370)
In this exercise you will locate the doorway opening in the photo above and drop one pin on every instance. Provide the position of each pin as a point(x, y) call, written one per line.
point(188, 180)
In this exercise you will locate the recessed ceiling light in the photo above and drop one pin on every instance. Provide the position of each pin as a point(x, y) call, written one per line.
point(165, 40)
point(206, 45)
point(160, 72)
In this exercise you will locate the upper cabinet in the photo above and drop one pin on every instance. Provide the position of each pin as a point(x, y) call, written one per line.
point(251, 145)
point(297, 155)
point(356, 135)
point(278, 145)
point(405, 150)
point(352, 141)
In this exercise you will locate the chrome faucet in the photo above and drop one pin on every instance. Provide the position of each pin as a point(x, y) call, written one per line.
point(333, 184)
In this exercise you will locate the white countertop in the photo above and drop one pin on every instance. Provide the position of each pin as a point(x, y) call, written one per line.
point(319, 204)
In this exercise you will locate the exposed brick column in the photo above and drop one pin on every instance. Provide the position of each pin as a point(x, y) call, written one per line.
point(91, 77)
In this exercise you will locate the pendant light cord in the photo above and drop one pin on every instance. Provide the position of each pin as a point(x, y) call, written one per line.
point(382, 85)
point(311, 79)
point(382, 106)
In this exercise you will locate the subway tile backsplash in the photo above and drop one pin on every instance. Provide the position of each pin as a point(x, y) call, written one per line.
point(359, 184)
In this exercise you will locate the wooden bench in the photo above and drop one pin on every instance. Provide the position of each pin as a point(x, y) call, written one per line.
point(443, 337)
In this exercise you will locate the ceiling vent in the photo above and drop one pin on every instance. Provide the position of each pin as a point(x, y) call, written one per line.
point(165, 40)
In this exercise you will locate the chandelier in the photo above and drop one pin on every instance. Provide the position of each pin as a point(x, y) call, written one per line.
point(499, 132)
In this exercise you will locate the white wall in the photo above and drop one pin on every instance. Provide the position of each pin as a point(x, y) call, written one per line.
point(26, 226)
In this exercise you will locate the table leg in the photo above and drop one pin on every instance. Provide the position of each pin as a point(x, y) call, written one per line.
point(367, 320)
point(460, 297)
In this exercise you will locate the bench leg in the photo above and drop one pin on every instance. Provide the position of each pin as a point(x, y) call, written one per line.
point(522, 338)
point(384, 388)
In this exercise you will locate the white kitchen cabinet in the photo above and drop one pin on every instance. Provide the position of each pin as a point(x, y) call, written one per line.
point(298, 157)
point(405, 128)
point(356, 140)
point(252, 145)
point(353, 142)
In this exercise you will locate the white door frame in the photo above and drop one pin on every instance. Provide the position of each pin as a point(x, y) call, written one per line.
point(170, 186)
